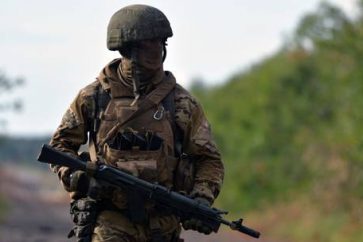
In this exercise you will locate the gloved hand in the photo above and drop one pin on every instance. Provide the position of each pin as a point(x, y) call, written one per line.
point(79, 182)
point(195, 224)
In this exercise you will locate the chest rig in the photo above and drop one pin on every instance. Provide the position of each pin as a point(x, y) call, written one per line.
point(142, 139)
point(139, 138)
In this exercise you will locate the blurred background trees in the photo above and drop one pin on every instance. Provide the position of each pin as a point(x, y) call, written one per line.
point(15, 149)
point(7, 103)
point(290, 132)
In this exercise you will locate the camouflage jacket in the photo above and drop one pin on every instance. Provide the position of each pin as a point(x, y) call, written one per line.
point(189, 116)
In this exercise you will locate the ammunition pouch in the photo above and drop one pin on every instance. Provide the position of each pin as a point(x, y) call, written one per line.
point(84, 213)
point(142, 164)
point(141, 154)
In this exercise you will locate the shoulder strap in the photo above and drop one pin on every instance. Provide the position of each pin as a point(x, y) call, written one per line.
point(152, 99)
point(169, 105)
point(101, 99)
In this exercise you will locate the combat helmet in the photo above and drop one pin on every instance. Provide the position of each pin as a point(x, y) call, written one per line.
point(137, 22)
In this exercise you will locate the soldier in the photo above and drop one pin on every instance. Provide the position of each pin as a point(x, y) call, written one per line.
point(136, 118)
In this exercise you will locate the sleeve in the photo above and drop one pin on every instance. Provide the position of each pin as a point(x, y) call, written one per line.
point(199, 143)
point(70, 135)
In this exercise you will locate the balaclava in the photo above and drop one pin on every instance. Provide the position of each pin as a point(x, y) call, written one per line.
point(142, 65)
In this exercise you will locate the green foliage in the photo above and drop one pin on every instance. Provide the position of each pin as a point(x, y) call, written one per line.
point(290, 128)
point(292, 123)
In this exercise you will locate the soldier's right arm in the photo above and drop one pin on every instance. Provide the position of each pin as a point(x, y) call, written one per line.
point(71, 133)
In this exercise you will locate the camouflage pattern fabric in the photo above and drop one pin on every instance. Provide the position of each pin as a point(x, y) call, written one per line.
point(198, 142)
point(189, 115)
point(113, 226)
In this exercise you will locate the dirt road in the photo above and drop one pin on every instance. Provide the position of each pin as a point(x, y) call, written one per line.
point(38, 209)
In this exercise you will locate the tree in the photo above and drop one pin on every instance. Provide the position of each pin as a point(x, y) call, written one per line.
point(7, 85)
point(321, 26)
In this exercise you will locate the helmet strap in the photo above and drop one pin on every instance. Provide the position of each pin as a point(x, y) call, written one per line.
point(164, 50)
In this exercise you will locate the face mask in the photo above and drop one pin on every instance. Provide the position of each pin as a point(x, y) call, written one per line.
point(141, 62)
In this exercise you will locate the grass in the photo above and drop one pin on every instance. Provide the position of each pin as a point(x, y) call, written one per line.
point(306, 219)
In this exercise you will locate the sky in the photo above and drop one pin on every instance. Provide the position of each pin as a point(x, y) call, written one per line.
point(58, 47)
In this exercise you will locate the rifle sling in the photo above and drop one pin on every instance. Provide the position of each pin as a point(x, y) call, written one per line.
point(152, 99)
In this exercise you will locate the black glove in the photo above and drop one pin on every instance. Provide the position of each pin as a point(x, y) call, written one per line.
point(195, 224)
point(79, 182)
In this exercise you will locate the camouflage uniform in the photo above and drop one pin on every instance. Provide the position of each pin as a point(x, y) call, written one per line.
point(114, 225)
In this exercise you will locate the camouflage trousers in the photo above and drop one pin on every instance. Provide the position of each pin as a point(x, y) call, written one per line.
point(113, 226)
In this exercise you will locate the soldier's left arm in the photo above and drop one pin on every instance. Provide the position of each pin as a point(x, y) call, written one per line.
point(199, 142)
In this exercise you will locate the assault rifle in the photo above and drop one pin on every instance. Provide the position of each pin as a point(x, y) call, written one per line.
point(178, 204)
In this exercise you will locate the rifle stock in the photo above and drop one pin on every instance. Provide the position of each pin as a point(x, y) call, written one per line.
point(178, 204)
